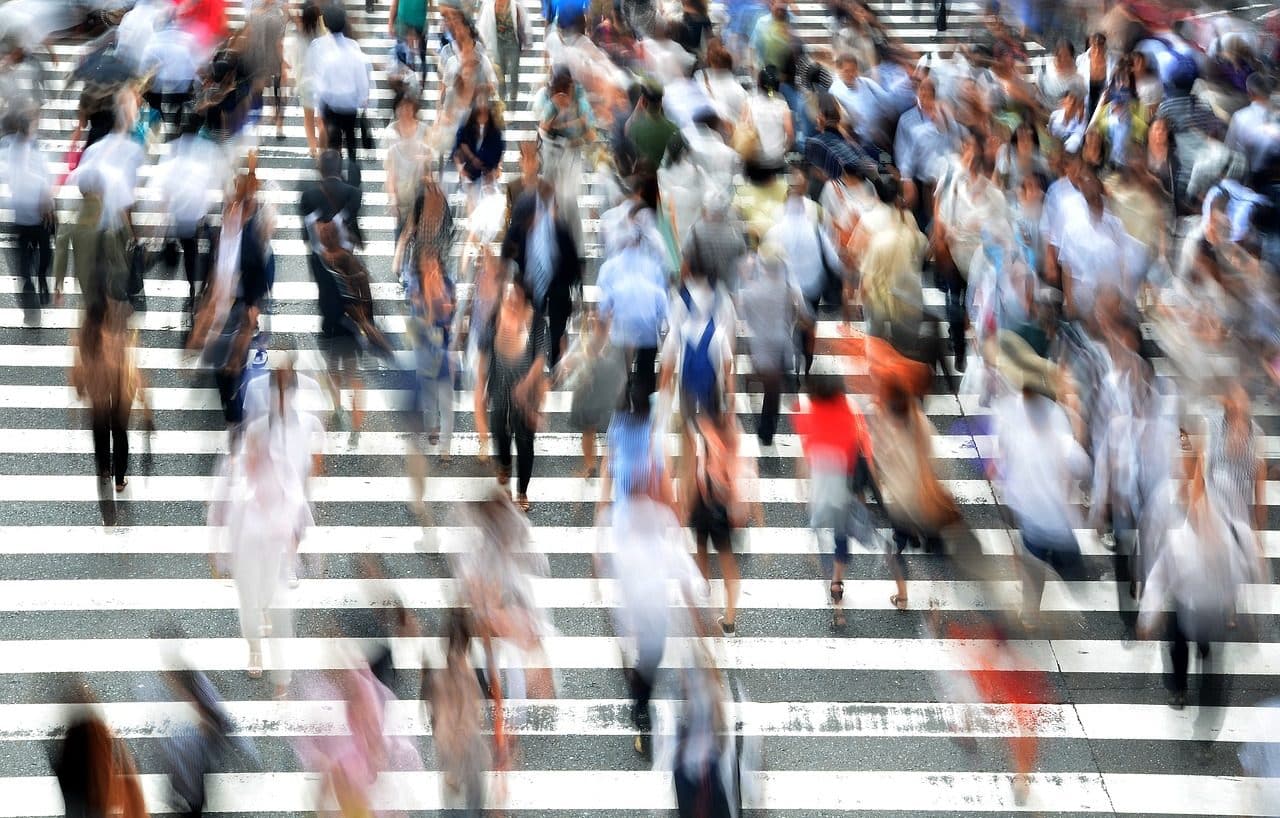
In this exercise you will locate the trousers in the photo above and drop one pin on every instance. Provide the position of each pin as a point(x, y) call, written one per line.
point(111, 440)
point(340, 126)
point(507, 424)
point(32, 258)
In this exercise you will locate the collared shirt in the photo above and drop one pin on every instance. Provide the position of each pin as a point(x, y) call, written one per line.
point(136, 29)
point(1039, 460)
point(1254, 131)
point(866, 103)
point(923, 144)
point(340, 72)
point(172, 53)
point(1096, 254)
point(27, 175)
point(798, 235)
point(633, 296)
point(110, 167)
point(188, 178)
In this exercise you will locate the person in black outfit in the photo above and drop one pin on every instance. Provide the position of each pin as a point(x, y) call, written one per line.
point(554, 301)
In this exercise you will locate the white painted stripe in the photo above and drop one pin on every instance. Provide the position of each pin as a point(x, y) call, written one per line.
point(325, 489)
point(32, 540)
point(611, 717)
point(826, 791)
point(387, 291)
point(1097, 656)
point(172, 593)
point(465, 444)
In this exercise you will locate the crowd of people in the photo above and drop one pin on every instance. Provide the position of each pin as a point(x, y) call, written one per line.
point(1030, 223)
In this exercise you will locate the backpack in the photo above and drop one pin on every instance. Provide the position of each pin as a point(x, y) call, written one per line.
point(699, 378)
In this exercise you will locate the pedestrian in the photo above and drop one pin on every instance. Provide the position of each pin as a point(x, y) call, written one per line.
point(714, 505)
point(1040, 460)
point(772, 308)
point(94, 769)
point(432, 304)
point(106, 376)
point(30, 199)
point(404, 141)
point(510, 382)
point(595, 372)
point(633, 302)
point(541, 244)
point(836, 440)
point(478, 150)
point(455, 704)
point(262, 503)
point(309, 30)
point(342, 77)
point(504, 30)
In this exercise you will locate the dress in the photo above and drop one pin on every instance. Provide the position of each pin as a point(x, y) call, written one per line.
point(598, 385)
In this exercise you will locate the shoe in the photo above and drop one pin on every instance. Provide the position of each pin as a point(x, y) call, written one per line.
point(727, 628)
point(1178, 700)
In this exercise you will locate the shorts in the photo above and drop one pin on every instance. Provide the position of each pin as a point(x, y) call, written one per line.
point(341, 352)
point(710, 523)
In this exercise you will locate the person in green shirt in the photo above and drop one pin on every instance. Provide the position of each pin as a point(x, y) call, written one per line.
point(772, 38)
point(648, 128)
point(408, 22)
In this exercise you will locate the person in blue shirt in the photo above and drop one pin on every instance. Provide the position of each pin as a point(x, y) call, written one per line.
point(432, 300)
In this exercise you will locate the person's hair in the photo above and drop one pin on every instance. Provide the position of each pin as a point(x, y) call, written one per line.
point(651, 94)
point(309, 19)
point(887, 189)
point(825, 387)
point(91, 329)
point(403, 96)
point(718, 56)
point(768, 80)
point(495, 118)
point(646, 189)
point(1258, 85)
point(329, 164)
point(561, 81)
point(1064, 44)
point(457, 629)
point(335, 18)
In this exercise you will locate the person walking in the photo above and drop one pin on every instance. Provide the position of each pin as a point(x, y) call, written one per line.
point(342, 77)
point(772, 306)
point(31, 200)
point(504, 30)
point(510, 382)
point(541, 244)
point(106, 376)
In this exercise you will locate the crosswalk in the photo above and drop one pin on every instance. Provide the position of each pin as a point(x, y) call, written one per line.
point(851, 721)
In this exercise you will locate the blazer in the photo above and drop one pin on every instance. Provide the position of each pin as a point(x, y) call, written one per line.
point(568, 272)
point(328, 197)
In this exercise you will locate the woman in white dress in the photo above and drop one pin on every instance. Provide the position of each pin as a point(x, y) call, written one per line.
point(262, 503)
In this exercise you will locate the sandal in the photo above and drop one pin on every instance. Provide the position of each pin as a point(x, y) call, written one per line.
point(899, 602)
point(522, 503)
point(837, 619)
point(837, 591)
point(121, 486)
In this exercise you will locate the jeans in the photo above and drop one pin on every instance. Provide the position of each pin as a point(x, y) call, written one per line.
point(111, 440)
point(33, 255)
point(435, 400)
point(506, 424)
point(955, 288)
point(509, 73)
point(340, 126)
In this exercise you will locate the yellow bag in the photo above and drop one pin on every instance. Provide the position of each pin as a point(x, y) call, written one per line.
point(746, 138)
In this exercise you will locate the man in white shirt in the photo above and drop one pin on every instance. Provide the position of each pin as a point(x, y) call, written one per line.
point(26, 175)
point(1255, 128)
point(863, 100)
point(171, 54)
point(136, 29)
point(342, 79)
point(1093, 250)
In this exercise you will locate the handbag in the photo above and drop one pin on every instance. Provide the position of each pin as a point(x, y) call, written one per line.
point(746, 137)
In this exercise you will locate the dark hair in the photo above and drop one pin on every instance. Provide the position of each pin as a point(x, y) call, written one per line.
point(1258, 85)
point(768, 80)
point(718, 56)
point(887, 188)
point(1064, 43)
point(329, 164)
point(309, 19)
point(561, 81)
point(335, 18)
point(825, 387)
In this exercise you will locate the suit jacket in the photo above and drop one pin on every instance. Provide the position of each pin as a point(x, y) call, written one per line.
point(568, 272)
point(329, 197)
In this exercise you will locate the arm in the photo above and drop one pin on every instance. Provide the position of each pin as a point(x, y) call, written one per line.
point(481, 402)
point(1260, 496)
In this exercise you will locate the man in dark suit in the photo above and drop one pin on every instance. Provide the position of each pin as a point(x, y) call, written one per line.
point(337, 200)
point(546, 257)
